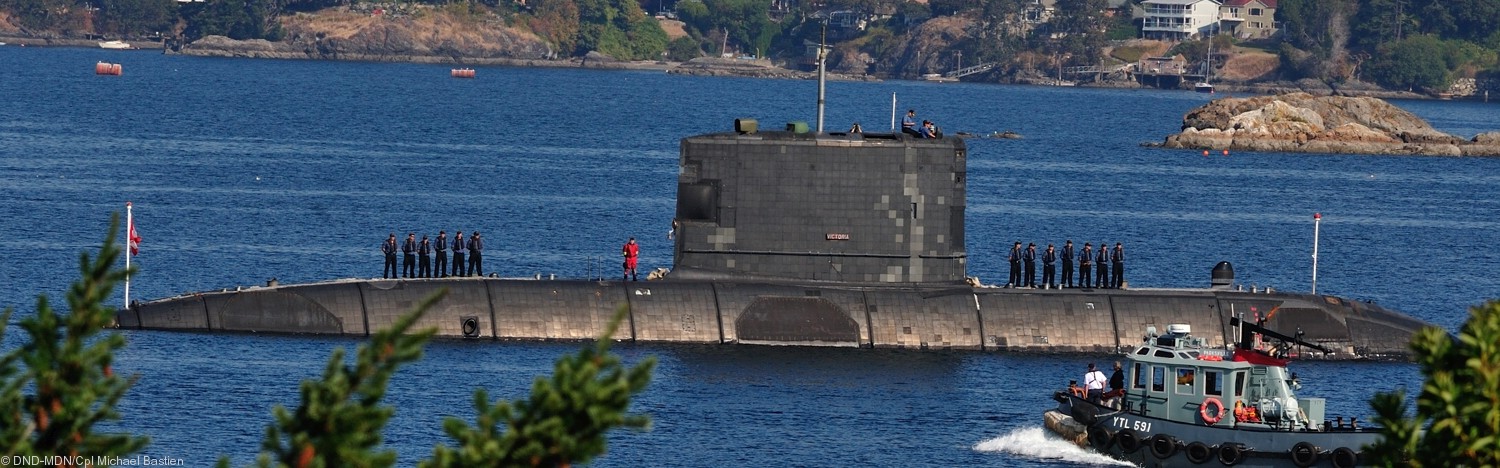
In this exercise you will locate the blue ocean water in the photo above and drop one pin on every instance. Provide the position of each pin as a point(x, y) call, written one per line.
point(243, 170)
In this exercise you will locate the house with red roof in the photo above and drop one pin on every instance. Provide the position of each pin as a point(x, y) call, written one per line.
point(1248, 19)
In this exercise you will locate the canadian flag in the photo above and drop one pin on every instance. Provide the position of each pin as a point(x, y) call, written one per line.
point(135, 239)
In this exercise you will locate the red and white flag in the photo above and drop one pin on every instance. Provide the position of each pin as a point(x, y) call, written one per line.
point(135, 239)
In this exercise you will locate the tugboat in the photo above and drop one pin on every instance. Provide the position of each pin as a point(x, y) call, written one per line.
point(1187, 404)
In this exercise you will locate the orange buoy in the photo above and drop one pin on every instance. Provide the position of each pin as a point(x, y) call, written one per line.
point(1205, 152)
point(463, 73)
point(105, 68)
point(1226, 152)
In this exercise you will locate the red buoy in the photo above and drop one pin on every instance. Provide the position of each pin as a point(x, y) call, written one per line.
point(105, 68)
point(462, 73)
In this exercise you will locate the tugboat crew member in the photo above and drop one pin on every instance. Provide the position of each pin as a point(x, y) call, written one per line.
point(1094, 382)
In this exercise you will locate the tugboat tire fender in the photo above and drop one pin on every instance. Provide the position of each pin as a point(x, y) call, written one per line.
point(1231, 454)
point(1343, 457)
point(1163, 446)
point(1214, 416)
point(1129, 442)
point(1100, 438)
point(1199, 453)
point(1304, 454)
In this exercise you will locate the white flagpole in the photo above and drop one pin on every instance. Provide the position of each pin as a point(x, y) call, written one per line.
point(129, 223)
point(1317, 219)
point(893, 112)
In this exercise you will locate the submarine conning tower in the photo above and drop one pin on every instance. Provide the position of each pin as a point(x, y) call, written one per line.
point(842, 207)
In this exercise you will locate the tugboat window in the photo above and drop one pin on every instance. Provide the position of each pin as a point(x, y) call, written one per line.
point(1140, 375)
point(1185, 380)
point(1239, 384)
point(1158, 379)
point(1212, 384)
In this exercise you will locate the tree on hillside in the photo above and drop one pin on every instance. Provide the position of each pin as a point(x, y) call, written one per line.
point(1078, 29)
point(1457, 420)
point(133, 17)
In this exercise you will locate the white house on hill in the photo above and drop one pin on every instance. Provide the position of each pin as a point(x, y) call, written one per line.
point(1179, 19)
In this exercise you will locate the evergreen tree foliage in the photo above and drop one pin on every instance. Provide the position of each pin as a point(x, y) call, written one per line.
point(1459, 406)
point(66, 368)
point(563, 421)
point(340, 418)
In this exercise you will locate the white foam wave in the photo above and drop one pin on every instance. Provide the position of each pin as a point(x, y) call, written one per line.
point(1036, 443)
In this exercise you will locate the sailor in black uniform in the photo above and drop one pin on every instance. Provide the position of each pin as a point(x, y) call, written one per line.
point(409, 255)
point(1015, 266)
point(424, 258)
point(1029, 258)
point(1049, 268)
point(440, 267)
point(1067, 266)
point(1101, 278)
point(389, 249)
point(1085, 264)
point(458, 253)
point(476, 261)
point(1119, 263)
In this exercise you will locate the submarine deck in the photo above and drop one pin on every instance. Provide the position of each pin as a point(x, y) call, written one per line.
point(922, 316)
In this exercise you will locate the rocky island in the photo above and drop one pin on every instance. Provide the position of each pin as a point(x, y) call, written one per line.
point(1303, 123)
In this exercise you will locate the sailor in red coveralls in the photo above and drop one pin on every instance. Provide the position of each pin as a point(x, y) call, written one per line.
point(630, 251)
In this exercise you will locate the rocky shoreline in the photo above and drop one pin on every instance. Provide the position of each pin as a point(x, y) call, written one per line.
point(1301, 122)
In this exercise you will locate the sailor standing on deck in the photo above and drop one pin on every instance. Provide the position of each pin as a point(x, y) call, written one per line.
point(409, 255)
point(440, 267)
point(1067, 267)
point(476, 261)
point(631, 251)
point(1029, 258)
point(1049, 268)
point(389, 248)
point(1101, 279)
point(424, 258)
point(1015, 266)
point(1119, 263)
point(458, 253)
point(1085, 264)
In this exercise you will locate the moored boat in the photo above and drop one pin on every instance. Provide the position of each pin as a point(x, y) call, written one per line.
point(1187, 404)
point(118, 45)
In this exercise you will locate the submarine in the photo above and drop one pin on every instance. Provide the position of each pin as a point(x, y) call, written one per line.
point(805, 238)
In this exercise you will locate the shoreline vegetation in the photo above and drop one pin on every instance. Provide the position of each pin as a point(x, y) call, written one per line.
point(219, 46)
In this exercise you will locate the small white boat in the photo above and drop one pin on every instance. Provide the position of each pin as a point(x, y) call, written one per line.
point(1204, 87)
point(117, 45)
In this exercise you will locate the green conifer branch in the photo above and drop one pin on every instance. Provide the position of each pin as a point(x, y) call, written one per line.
point(1460, 401)
point(565, 419)
point(69, 368)
point(340, 419)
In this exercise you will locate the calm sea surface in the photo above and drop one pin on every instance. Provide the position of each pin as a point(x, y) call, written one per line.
point(244, 170)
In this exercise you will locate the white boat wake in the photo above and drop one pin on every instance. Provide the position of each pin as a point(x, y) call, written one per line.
point(1038, 444)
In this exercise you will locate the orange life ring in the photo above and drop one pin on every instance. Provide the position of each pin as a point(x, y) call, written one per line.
point(1216, 416)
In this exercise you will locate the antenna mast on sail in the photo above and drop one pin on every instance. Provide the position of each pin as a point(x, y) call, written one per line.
point(822, 77)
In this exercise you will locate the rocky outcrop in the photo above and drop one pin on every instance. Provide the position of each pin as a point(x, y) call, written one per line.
point(433, 36)
point(1301, 122)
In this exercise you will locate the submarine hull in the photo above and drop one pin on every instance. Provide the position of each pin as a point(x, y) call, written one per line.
point(921, 316)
